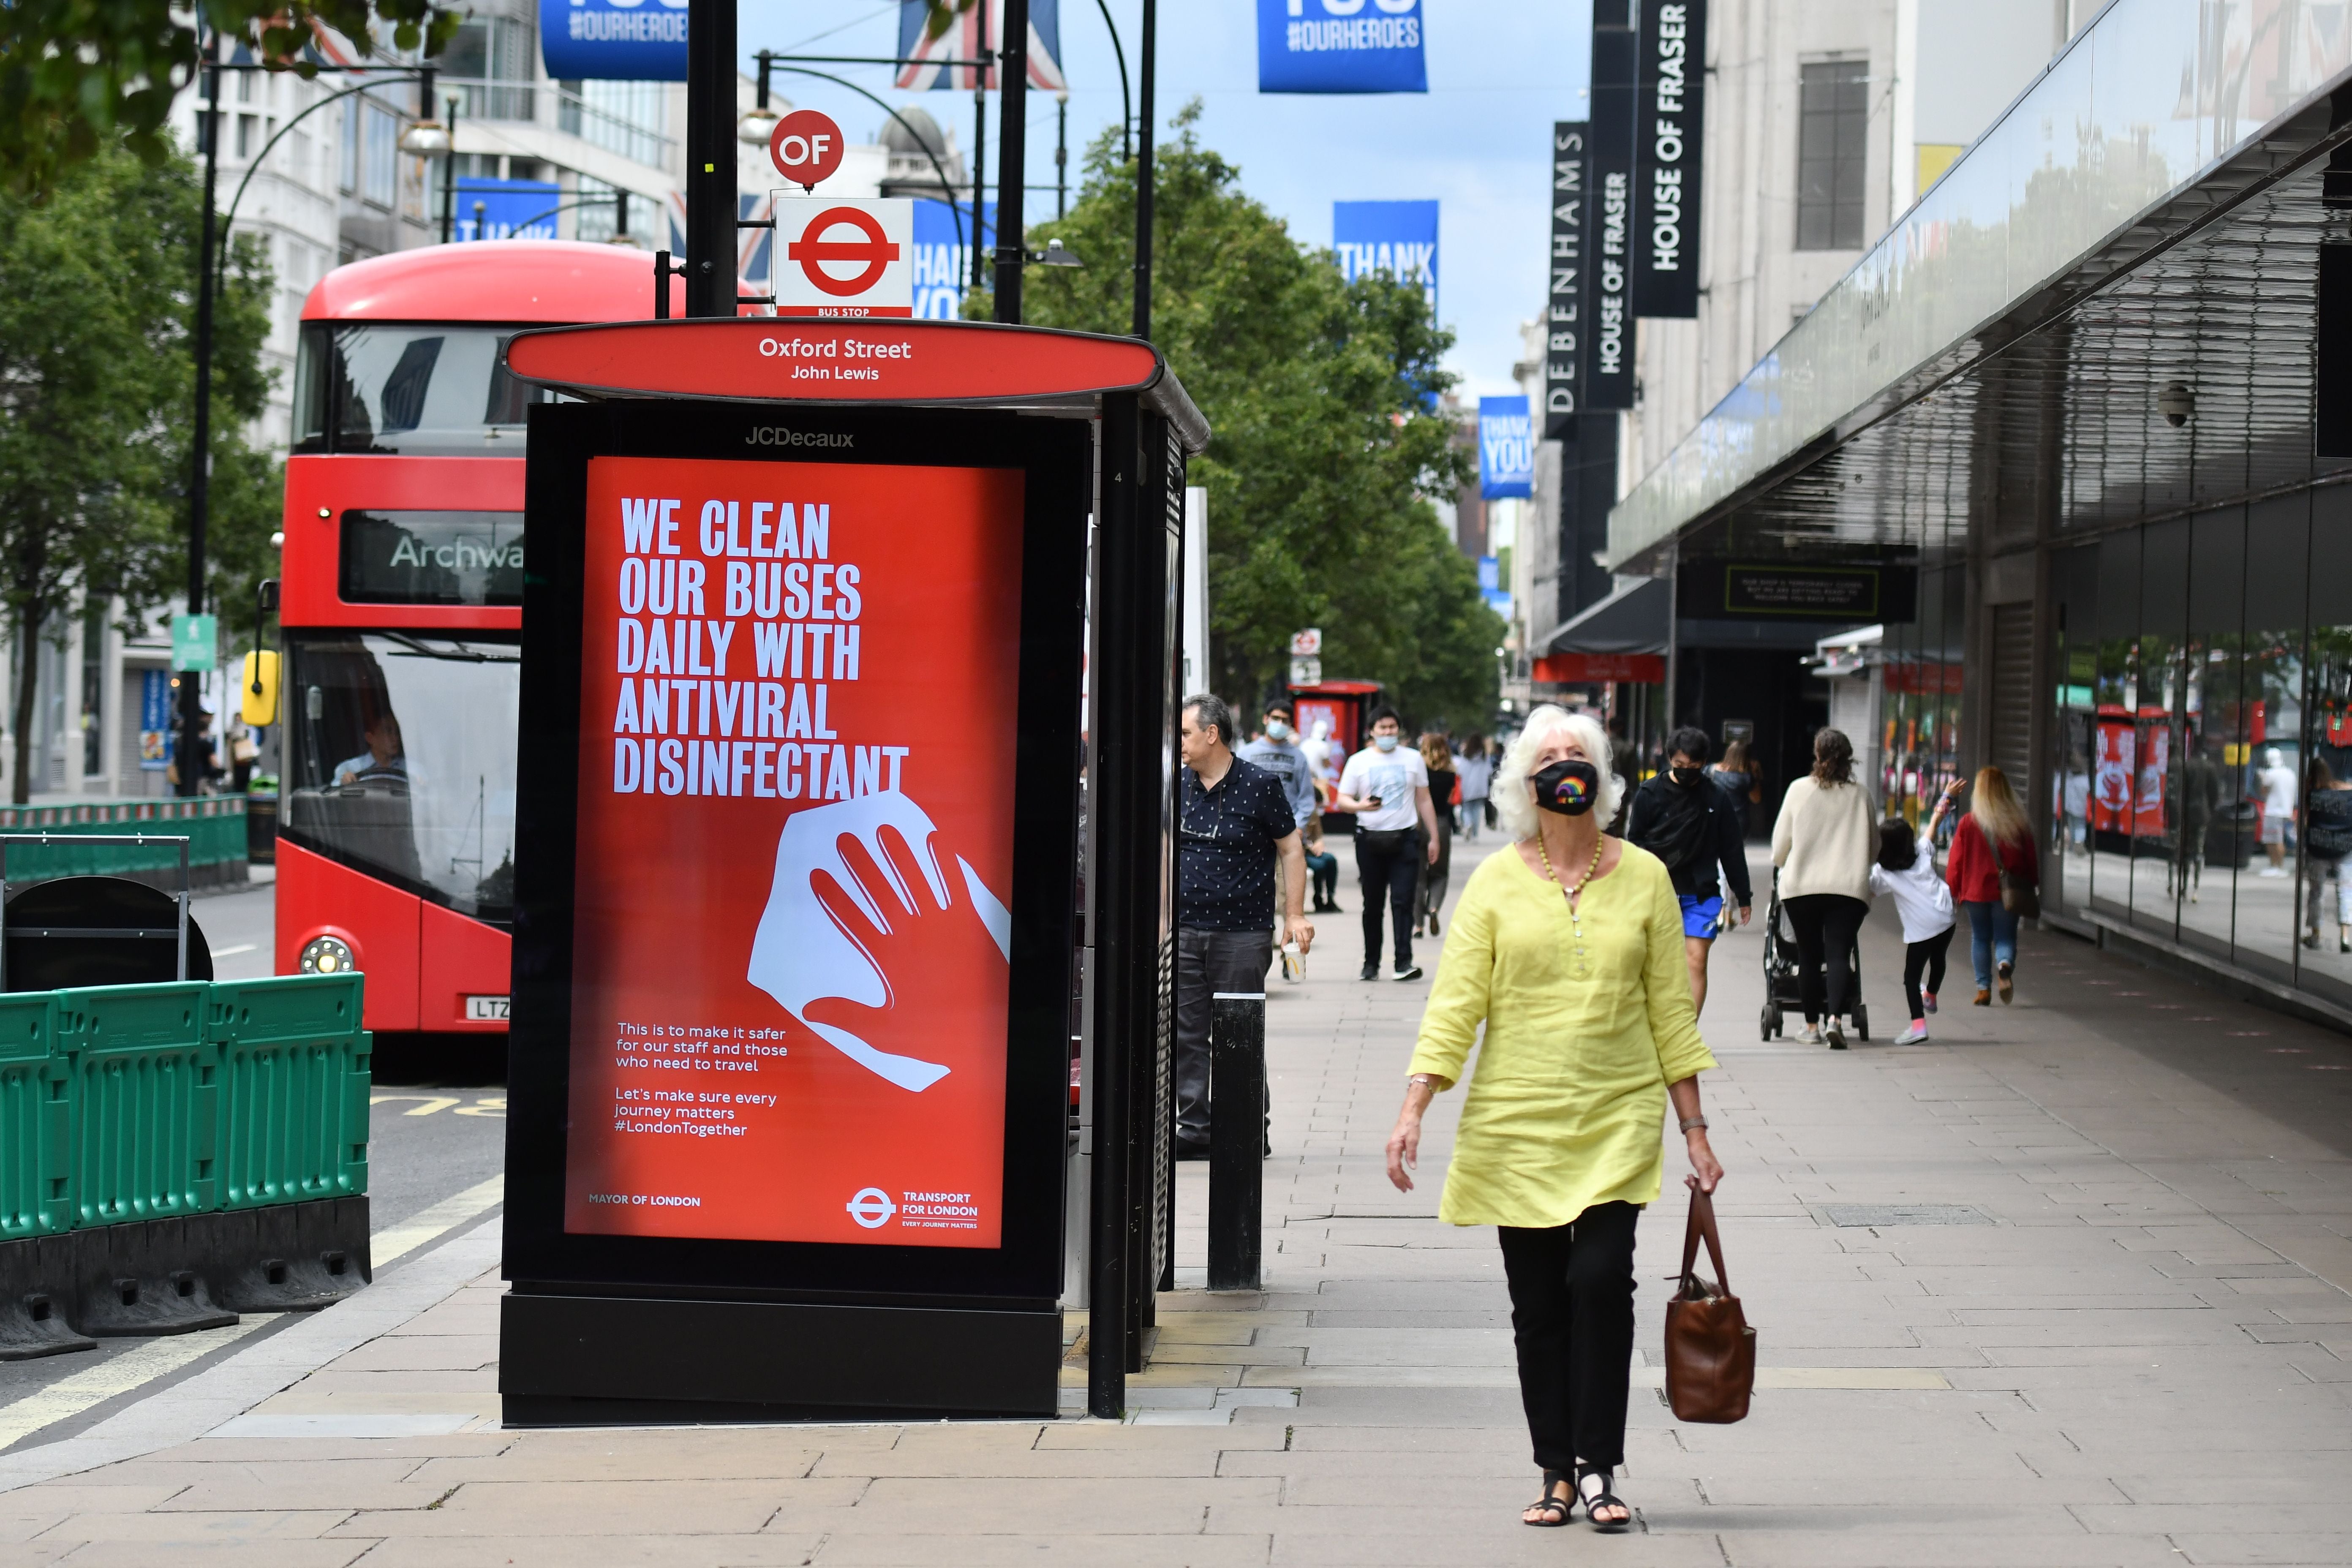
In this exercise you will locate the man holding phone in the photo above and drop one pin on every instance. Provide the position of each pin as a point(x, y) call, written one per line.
point(1386, 785)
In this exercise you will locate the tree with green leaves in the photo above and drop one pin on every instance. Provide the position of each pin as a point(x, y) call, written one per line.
point(97, 391)
point(78, 77)
point(1324, 454)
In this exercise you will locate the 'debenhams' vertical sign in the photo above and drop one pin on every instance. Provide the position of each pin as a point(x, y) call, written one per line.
point(1564, 315)
point(1609, 327)
point(1669, 132)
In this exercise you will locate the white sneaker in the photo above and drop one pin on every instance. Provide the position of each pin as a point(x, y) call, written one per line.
point(1916, 1034)
point(2272, 871)
point(1810, 1036)
point(1410, 972)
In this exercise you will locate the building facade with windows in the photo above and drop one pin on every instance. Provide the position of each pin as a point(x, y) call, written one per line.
point(2077, 424)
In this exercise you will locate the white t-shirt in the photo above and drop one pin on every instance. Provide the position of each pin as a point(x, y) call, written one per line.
point(2278, 791)
point(1922, 898)
point(1391, 775)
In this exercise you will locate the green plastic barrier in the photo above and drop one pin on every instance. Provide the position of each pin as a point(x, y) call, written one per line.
point(294, 1089)
point(214, 828)
point(146, 1101)
point(36, 1125)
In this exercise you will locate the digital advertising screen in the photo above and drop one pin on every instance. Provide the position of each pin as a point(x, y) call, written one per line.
point(795, 851)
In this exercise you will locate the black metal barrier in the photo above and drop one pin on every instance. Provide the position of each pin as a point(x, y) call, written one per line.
point(1236, 1140)
point(178, 1274)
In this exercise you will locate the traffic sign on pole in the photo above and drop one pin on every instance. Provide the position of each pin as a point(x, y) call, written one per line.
point(805, 147)
point(844, 258)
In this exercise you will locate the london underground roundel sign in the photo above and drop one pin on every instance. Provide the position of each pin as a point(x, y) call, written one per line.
point(805, 147)
point(844, 258)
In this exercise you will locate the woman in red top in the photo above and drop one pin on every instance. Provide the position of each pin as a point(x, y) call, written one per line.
point(1993, 836)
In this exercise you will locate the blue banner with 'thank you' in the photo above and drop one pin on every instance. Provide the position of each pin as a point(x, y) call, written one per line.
point(1399, 239)
point(612, 40)
point(1340, 46)
point(1507, 448)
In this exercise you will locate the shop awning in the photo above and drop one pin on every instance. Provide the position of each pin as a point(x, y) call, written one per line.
point(1631, 620)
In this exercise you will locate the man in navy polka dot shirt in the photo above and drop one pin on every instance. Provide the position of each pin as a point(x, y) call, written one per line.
point(1234, 827)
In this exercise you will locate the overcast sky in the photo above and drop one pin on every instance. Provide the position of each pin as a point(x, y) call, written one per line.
point(1500, 71)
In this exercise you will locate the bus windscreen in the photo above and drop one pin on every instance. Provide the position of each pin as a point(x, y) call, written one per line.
point(418, 390)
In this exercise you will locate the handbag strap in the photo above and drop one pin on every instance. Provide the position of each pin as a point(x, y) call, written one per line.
point(1701, 1223)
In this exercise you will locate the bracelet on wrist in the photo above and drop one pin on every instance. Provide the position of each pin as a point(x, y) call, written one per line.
point(1694, 1124)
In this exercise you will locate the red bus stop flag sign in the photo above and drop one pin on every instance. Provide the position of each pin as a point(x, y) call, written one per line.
point(806, 147)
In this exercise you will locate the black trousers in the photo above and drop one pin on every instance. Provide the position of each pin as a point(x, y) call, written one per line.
point(1208, 962)
point(1826, 925)
point(1572, 1321)
point(1926, 957)
point(1323, 877)
point(1390, 865)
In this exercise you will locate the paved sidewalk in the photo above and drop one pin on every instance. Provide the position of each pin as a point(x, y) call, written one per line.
point(2099, 1318)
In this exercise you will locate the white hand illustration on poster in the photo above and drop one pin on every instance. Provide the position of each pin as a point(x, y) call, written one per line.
point(804, 953)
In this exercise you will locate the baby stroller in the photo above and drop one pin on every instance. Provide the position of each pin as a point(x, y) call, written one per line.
point(1783, 993)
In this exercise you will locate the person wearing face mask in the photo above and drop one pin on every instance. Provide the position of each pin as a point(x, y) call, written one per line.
point(1277, 750)
point(1565, 970)
point(1691, 823)
point(1386, 785)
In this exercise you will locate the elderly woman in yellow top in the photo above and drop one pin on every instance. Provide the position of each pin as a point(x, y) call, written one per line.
point(1568, 948)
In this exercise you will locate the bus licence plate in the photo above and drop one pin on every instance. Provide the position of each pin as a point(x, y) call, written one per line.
point(485, 1009)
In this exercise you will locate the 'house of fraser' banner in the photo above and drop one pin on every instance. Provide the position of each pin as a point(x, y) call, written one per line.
point(1670, 132)
point(1609, 325)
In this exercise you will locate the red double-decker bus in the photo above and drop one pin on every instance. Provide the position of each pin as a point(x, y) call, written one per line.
point(401, 609)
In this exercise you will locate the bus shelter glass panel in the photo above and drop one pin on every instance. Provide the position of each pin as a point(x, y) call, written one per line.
point(402, 761)
point(2326, 954)
point(2211, 729)
point(2268, 774)
point(2156, 721)
point(2115, 737)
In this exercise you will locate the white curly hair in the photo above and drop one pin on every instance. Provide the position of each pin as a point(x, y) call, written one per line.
point(1515, 798)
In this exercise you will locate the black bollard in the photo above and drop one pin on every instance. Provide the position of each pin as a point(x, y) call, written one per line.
point(1236, 1139)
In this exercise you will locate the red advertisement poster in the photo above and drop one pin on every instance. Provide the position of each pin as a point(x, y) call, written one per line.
point(2111, 778)
point(795, 851)
point(2155, 759)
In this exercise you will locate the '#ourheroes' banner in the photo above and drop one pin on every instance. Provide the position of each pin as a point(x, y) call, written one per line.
point(791, 959)
point(1340, 46)
point(612, 40)
point(1507, 448)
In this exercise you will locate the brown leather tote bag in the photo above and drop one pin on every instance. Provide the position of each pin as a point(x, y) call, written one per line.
point(1710, 1349)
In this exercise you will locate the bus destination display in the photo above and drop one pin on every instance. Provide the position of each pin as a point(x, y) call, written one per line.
point(795, 855)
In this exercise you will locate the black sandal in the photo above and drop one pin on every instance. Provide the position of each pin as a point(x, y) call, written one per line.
point(1599, 1497)
point(1554, 1508)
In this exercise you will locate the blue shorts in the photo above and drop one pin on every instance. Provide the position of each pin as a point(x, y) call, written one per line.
point(1701, 916)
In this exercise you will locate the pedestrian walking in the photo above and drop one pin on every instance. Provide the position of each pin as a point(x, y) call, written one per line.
point(1386, 786)
point(1993, 836)
point(1475, 770)
point(1684, 818)
point(1438, 758)
point(1823, 844)
point(1905, 871)
point(1277, 750)
point(1565, 969)
point(2327, 852)
point(1738, 778)
point(1233, 828)
point(2278, 782)
point(1322, 867)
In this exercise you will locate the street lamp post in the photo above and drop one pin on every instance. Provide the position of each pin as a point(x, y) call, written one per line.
point(201, 442)
point(1147, 69)
point(1012, 155)
point(710, 210)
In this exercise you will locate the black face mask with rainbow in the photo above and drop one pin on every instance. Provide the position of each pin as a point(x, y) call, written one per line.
point(1569, 787)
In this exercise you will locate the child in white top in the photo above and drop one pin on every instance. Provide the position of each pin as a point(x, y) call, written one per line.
point(1906, 870)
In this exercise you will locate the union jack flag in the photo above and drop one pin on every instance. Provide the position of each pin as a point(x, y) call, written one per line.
point(964, 40)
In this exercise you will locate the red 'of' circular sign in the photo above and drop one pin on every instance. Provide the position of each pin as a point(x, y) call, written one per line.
point(805, 146)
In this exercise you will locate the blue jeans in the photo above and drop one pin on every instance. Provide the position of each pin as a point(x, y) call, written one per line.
point(1992, 938)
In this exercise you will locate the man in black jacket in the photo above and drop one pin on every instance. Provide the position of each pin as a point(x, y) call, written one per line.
point(1686, 820)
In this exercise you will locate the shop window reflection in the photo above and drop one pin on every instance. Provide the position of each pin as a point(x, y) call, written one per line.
point(2156, 711)
point(2202, 804)
point(2268, 772)
point(2325, 957)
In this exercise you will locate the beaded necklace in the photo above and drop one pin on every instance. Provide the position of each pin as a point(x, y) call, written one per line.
point(1575, 917)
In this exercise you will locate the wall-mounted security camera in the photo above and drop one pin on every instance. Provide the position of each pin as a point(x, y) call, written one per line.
point(2176, 402)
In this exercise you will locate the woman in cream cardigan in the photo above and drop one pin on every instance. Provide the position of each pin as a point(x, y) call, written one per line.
point(1823, 847)
point(1568, 948)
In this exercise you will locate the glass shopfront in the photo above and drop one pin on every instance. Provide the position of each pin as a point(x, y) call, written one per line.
point(2200, 736)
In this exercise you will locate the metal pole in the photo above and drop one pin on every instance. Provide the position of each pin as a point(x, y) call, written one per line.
point(1148, 67)
point(711, 211)
point(449, 177)
point(201, 455)
point(1236, 1140)
point(979, 167)
point(1012, 155)
point(1673, 631)
point(1061, 157)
